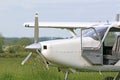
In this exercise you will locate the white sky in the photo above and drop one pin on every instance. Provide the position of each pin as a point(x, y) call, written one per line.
point(14, 13)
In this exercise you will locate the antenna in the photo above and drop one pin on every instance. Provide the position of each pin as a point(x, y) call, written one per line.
point(36, 30)
point(117, 17)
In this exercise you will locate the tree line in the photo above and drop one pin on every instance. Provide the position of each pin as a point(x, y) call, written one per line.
point(13, 45)
point(16, 45)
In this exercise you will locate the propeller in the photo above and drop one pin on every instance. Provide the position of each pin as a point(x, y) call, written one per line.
point(23, 62)
point(36, 45)
point(44, 59)
point(36, 30)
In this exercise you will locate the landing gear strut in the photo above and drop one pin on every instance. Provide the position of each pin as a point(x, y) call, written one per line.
point(117, 77)
point(66, 71)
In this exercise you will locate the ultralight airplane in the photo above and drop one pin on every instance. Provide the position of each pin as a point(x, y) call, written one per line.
point(88, 52)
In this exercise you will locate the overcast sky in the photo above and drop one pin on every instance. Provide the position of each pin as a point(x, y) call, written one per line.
point(13, 13)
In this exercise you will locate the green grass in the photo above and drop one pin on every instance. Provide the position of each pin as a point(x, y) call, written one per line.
point(11, 69)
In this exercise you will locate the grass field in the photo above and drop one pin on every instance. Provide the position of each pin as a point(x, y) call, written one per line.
point(11, 69)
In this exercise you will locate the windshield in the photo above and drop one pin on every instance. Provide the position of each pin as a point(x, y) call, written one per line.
point(91, 33)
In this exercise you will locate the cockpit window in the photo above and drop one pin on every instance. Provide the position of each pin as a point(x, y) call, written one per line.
point(91, 33)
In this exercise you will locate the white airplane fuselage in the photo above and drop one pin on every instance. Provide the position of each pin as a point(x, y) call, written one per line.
point(67, 52)
point(85, 53)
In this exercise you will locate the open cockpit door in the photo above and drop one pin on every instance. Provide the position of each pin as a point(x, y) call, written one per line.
point(91, 40)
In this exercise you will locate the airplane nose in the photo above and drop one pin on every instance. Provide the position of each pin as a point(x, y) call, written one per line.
point(33, 46)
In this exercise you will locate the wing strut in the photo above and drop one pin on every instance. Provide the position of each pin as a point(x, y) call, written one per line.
point(72, 32)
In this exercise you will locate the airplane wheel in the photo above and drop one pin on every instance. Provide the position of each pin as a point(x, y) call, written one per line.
point(109, 78)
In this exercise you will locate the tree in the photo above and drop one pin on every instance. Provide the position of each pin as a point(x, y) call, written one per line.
point(18, 46)
point(1, 43)
point(24, 41)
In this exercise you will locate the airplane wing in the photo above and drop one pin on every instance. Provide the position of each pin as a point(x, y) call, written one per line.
point(68, 25)
point(62, 24)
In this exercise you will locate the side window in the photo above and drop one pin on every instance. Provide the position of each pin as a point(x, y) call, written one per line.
point(110, 39)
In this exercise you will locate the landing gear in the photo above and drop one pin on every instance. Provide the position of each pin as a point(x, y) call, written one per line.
point(117, 77)
point(66, 71)
point(109, 78)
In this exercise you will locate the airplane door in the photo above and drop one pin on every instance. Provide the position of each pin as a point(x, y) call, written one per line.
point(92, 49)
point(93, 56)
